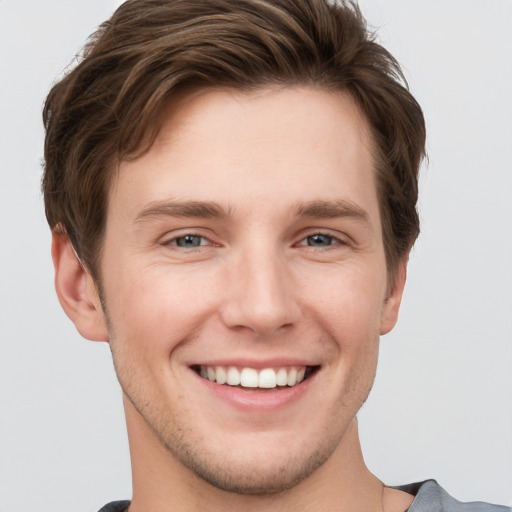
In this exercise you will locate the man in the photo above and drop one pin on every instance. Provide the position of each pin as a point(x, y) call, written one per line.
point(232, 192)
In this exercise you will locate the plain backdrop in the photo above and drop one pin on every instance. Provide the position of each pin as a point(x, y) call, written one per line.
point(442, 401)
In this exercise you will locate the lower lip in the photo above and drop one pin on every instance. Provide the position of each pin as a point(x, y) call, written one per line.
point(256, 400)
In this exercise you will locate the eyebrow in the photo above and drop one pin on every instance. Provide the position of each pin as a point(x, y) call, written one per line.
point(208, 210)
point(318, 209)
point(333, 209)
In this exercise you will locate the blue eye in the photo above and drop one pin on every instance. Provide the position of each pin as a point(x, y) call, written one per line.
point(319, 240)
point(189, 241)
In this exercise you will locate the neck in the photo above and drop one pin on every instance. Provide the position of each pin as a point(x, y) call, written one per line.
point(160, 482)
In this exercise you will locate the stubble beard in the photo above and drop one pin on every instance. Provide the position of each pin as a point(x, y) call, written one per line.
point(236, 475)
point(239, 473)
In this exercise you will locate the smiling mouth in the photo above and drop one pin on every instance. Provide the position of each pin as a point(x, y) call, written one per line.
point(266, 378)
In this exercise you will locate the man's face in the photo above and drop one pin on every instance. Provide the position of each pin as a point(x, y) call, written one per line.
point(246, 244)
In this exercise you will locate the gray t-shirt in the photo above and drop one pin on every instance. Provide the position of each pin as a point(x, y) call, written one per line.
point(429, 497)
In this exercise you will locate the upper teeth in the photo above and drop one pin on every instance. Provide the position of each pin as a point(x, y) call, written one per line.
point(252, 378)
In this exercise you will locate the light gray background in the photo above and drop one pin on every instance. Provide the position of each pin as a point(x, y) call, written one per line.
point(441, 405)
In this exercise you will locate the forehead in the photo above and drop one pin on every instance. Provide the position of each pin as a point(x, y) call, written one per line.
point(282, 145)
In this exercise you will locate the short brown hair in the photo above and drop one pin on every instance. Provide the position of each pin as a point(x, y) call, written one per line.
point(106, 109)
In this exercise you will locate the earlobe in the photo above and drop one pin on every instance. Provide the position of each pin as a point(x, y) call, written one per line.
point(391, 305)
point(76, 290)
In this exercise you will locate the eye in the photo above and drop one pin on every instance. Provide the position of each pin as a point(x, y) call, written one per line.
point(189, 241)
point(319, 240)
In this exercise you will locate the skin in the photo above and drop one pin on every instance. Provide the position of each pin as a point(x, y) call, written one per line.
point(267, 280)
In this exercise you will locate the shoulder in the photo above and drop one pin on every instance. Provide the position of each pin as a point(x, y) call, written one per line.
point(115, 506)
point(431, 497)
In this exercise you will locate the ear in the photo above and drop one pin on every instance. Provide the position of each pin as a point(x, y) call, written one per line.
point(76, 290)
point(391, 306)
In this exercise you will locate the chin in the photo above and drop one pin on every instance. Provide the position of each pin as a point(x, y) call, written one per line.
point(261, 464)
point(252, 475)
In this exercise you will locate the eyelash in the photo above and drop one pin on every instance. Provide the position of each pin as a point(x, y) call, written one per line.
point(334, 241)
point(174, 241)
point(303, 242)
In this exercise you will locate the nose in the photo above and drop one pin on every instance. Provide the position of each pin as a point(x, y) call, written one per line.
point(260, 294)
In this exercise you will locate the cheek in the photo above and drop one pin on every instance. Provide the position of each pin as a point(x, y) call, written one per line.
point(348, 303)
point(153, 309)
